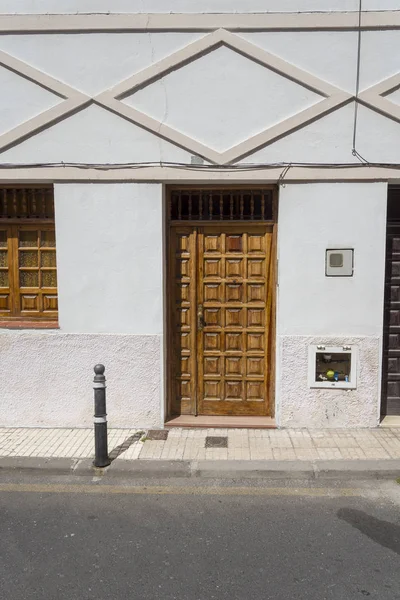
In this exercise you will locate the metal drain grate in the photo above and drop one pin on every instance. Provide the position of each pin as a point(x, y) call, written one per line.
point(216, 442)
point(157, 434)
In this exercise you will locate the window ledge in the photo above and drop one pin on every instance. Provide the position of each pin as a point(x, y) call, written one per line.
point(29, 325)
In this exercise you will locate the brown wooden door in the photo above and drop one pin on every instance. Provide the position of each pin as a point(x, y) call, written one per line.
point(182, 351)
point(222, 280)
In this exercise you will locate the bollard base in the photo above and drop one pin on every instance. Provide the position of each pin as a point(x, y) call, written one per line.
point(101, 457)
point(101, 464)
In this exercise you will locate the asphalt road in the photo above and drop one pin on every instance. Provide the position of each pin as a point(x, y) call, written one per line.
point(81, 540)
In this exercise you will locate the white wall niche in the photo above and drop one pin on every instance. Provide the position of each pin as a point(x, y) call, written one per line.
point(333, 367)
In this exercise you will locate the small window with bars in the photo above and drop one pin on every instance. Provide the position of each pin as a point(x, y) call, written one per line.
point(221, 205)
point(28, 271)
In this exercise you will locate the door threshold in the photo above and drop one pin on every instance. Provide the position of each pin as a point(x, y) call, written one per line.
point(390, 421)
point(211, 422)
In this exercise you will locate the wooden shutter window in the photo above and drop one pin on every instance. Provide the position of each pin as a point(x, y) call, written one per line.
point(28, 273)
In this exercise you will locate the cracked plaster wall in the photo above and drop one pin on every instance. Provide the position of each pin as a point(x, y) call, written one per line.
point(219, 99)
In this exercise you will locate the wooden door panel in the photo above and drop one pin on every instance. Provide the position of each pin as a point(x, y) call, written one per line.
point(234, 289)
point(6, 298)
point(183, 321)
point(223, 367)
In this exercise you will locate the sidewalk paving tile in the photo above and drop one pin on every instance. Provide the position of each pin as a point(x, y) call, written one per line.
point(189, 444)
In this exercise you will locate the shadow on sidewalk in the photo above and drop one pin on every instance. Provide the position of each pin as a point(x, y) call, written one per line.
point(118, 450)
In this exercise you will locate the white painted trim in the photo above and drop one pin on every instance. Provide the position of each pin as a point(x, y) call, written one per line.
point(165, 337)
point(165, 65)
point(73, 100)
point(42, 121)
point(199, 22)
point(191, 175)
point(386, 86)
point(210, 42)
point(333, 97)
point(284, 128)
point(381, 325)
point(375, 97)
point(159, 129)
point(381, 105)
point(46, 81)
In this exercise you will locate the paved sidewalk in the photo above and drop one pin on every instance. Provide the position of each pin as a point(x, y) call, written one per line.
point(206, 444)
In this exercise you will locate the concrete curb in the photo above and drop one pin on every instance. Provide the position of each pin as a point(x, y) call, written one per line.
point(357, 469)
point(235, 469)
point(287, 469)
point(43, 466)
point(232, 469)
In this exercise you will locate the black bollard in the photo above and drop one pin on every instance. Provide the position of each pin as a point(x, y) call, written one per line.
point(101, 458)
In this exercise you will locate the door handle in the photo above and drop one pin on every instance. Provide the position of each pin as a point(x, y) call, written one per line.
point(200, 317)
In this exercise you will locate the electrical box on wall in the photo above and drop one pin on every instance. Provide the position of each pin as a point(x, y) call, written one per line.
point(332, 367)
point(339, 262)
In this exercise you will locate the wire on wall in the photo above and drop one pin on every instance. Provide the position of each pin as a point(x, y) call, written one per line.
point(285, 166)
point(354, 149)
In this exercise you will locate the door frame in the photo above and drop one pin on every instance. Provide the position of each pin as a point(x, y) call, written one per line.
point(168, 228)
point(392, 224)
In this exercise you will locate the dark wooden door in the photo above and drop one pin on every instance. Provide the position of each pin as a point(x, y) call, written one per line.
point(391, 342)
point(221, 315)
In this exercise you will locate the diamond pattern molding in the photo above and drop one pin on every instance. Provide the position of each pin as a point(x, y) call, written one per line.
point(73, 100)
point(374, 97)
point(332, 98)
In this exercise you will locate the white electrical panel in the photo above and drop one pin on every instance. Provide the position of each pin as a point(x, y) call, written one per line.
point(339, 262)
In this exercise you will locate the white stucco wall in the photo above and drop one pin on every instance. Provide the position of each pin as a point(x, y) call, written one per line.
point(92, 63)
point(312, 218)
point(46, 379)
point(300, 406)
point(110, 236)
point(95, 136)
point(109, 258)
point(330, 140)
point(110, 286)
point(219, 99)
point(315, 309)
point(22, 100)
point(194, 99)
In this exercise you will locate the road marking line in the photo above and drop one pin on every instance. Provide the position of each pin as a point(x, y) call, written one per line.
point(38, 488)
